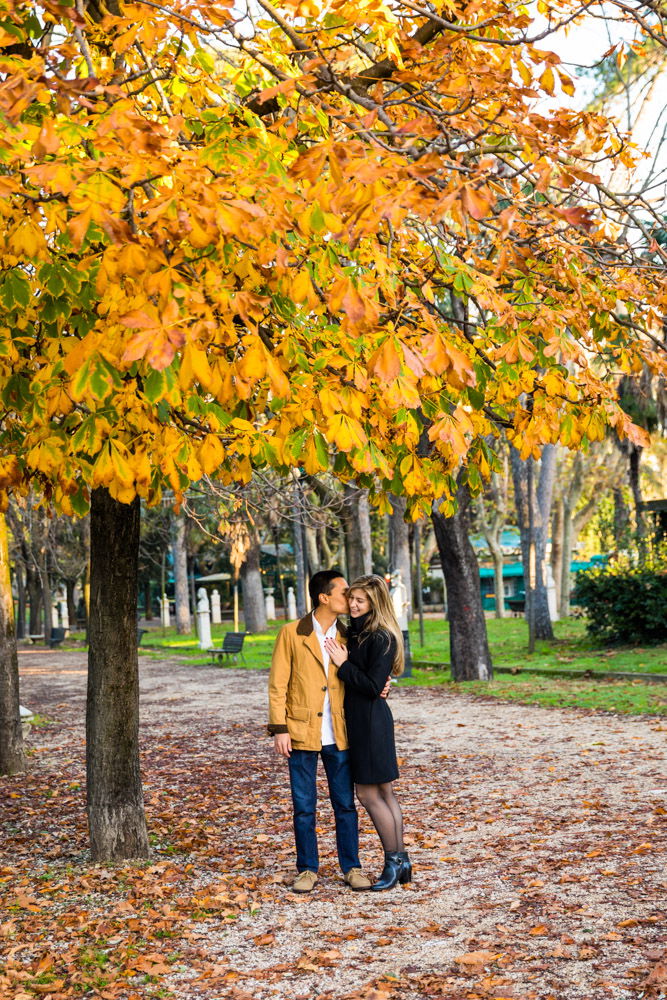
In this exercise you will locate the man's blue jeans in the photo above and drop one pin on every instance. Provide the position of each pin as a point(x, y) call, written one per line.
point(303, 782)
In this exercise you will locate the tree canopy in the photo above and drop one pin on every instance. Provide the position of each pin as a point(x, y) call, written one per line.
point(343, 234)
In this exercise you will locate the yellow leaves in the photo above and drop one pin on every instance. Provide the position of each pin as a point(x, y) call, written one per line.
point(47, 141)
point(194, 367)
point(386, 361)
point(28, 241)
point(210, 454)
point(357, 307)
point(346, 432)
point(547, 80)
point(10, 472)
point(453, 430)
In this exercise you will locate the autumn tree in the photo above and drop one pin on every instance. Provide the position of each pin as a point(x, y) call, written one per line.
point(226, 246)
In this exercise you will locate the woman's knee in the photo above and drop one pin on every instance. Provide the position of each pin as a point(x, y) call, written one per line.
point(367, 794)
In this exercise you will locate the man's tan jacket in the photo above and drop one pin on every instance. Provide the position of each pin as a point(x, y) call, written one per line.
point(297, 685)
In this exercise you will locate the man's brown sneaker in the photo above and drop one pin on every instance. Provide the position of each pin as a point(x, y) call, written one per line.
point(304, 882)
point(356, 880)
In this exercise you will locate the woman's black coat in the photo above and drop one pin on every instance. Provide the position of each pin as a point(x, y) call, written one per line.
point(370, 725)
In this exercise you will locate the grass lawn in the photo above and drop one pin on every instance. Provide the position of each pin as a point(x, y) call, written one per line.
point(508, 640)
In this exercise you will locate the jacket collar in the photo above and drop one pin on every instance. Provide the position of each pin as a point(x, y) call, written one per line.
point(305, 626)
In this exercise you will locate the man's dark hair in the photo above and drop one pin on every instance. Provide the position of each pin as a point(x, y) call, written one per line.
point(320, 583)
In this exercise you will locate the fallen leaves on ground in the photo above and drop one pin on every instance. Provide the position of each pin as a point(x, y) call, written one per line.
point(538, 841)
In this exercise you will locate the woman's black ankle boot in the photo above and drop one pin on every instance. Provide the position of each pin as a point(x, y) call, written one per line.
point(406, 870)
point(391, 873)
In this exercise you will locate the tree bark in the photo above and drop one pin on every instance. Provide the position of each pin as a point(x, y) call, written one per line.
point(12, 759)
point(634, 476)
point(399, 546)
point(181, 589)
point(541, 509)
point(34, 588)
point(21, 594)
point(492, 529)
point(357, 525)
point(115, 798)
point(312, 550)
point(468, 644)
point(254, 609)
point(557, 549)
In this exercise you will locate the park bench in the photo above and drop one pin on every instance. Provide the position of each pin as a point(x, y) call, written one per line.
point(517, 604)
point(57, 636)
point(232, 645)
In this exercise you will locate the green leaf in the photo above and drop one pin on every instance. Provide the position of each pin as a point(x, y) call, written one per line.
point(154, 385)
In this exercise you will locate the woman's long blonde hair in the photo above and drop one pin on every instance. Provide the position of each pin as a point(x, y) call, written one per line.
point(381, 615)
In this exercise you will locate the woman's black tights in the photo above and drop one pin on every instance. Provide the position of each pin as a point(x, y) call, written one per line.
point(382, 806)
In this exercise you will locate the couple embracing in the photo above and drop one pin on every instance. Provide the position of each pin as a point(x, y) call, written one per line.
point(327, 697)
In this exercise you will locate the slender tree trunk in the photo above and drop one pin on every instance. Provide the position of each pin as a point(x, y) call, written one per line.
point(557, 550)
point(12, 759)
point(300, 558)
point(21, 593)
point(115, 798)
point(634, 475)
point(399, 546)
point(468, 643)
point(71, 606)
point(148, 607)
point(45, 583)
point(541, 507)
point(34, 589)
point(357, 524)
point(254, 609)
point(182, 595)
point(566, 563)
point(312, 550)
point(621, 519)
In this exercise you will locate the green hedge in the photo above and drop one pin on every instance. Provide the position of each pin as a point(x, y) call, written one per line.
point(624, 606)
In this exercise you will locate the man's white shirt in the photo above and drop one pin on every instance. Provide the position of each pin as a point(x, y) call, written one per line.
point(327, 724)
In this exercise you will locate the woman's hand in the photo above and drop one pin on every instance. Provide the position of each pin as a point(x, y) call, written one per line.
point(336, 650)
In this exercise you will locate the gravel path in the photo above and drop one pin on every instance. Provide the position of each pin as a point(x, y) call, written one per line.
point(538, 839)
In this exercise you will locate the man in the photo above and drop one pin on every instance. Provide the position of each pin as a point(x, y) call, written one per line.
point(306, 721)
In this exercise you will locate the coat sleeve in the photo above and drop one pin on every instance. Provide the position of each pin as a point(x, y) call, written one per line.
point(379, 659)
point(279, 677)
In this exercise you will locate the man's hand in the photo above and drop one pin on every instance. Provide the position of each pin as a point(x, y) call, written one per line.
point(384, 693)
point(282, 744)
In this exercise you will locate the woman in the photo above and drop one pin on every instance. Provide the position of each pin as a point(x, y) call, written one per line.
point(373, 653)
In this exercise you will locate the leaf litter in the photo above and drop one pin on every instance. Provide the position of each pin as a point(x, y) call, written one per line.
point(537, 836)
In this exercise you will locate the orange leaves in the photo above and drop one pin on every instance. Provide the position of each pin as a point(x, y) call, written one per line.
point(159, 336)
point(386, 361)
point(476, 202)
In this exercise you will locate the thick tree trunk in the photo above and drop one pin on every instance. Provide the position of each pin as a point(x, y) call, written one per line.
point(115, 799)
point(468, 643)
point(12, 759)
point(357, 525)
point(541, 509)
point(399, 546)
point(182, 595)
point(254, 610)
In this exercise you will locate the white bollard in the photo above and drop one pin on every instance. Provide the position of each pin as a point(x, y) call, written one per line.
point(269, 603)
point(216, 616)
point(64, 611)
point(291, 604)
point(165, 617)
point(203, 619)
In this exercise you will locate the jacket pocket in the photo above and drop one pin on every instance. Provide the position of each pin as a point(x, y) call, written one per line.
point(297, 723)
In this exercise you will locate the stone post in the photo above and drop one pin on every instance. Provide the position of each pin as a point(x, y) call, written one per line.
point(216, 616)
point(203, 619)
